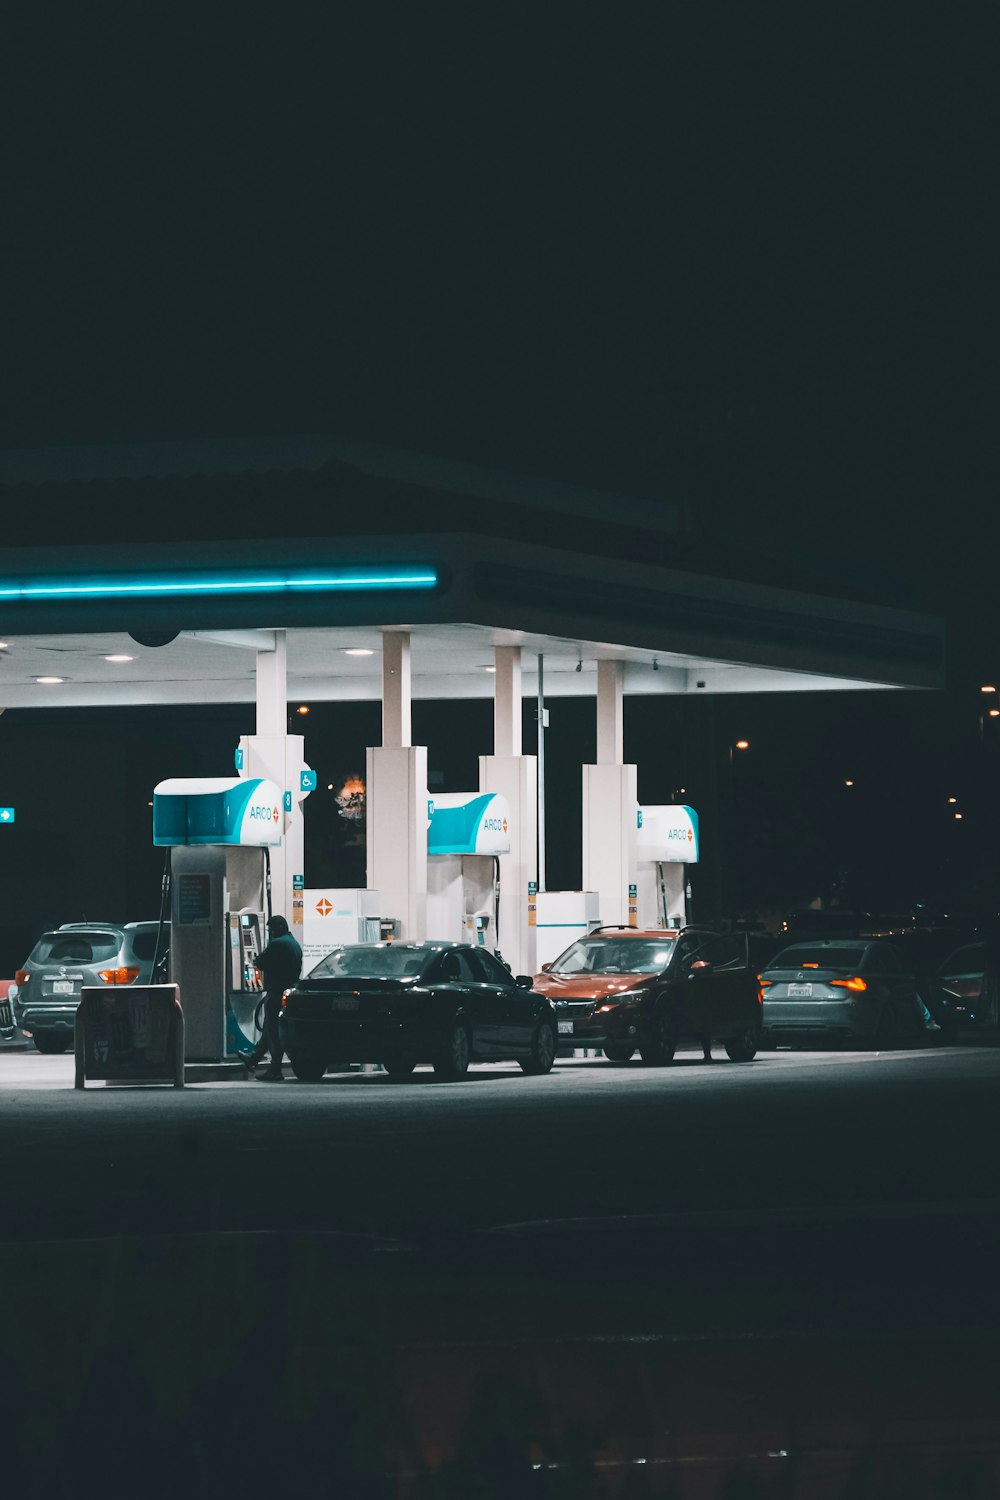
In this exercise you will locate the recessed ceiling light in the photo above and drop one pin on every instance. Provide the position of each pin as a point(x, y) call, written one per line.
point(357, 651)
point(50, 679)
point(119, 656)
point(303, 708)
point(3, 645)
point(489, 669)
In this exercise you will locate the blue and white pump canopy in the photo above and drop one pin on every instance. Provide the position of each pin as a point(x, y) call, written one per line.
point(217, 810)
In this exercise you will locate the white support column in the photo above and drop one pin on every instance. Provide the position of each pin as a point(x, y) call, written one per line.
point(278, 755)
point(396, 814)
point(396, 731)
point(610, 713)
point(507, 701)
point(515, 776)
point(396, 800)
point(610, 804)
point(272, 688)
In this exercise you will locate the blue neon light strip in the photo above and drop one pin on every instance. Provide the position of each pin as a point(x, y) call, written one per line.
point(235, 584)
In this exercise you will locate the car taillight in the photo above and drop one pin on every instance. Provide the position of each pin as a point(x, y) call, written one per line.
point(284, 996)
point(118, 976)
point(856, 983)
point(764, 982)
point(21, 976)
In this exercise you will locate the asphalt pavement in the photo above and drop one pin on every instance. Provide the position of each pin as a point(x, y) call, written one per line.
point(795, 1255)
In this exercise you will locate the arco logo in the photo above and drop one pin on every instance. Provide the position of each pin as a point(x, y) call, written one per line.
point(263, 814)
point(324, 907)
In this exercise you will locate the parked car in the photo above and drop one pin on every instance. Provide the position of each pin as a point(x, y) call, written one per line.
point(46, 992)
point(398, 1004)
point(621, 989)
point(851, 987)
point(7, 1029)
point(963, 992)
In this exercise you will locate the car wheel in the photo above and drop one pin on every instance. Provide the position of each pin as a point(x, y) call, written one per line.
point(307, 1069)
point(399, 1067)
point(543, 1050)
point(661, 1044)
point(743, 1048)
point(453, 1061)
point(619, 1053)
point(51, 1043)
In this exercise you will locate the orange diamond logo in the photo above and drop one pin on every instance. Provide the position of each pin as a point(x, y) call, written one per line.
point(324, 907)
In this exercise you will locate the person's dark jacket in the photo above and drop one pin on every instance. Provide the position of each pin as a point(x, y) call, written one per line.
point(280, 962)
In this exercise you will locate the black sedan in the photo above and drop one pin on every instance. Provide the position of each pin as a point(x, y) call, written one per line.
point(398, 1004)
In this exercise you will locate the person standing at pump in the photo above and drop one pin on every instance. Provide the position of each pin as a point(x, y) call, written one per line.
point(279, 965)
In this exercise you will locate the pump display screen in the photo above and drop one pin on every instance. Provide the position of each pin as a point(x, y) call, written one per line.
point(600, 955)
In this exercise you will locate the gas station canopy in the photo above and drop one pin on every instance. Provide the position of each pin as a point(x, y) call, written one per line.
point(332, 542)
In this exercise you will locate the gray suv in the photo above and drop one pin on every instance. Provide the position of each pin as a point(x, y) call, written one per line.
point(46, 992)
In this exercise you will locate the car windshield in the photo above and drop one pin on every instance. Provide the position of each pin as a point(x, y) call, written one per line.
point(814, 956)
point(370, 961)
point(74, 947)
point(601, 955)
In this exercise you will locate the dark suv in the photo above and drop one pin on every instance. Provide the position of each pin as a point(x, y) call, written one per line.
point(620, 988)
point(46, 992)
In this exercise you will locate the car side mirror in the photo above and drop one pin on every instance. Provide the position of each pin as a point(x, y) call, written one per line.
point(700, 966)
point(546, 968)
point(524, 981)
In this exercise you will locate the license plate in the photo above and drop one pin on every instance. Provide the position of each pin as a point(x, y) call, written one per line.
point(565, 1028)
point(800, 990)
point(62, 986)
point(344, 1002)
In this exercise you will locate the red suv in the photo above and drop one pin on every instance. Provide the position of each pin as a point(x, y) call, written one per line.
point(620, 988)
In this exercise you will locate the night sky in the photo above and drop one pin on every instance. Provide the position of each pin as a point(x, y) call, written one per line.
point(741, 258)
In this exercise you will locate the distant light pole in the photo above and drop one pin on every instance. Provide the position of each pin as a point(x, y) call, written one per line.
point(733, 842)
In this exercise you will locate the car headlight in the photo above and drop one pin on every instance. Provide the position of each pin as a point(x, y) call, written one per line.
point(625, 998)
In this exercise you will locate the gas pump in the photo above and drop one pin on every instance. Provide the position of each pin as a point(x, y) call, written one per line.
point(467, 832)
point(217, 889)
point(666, 843)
